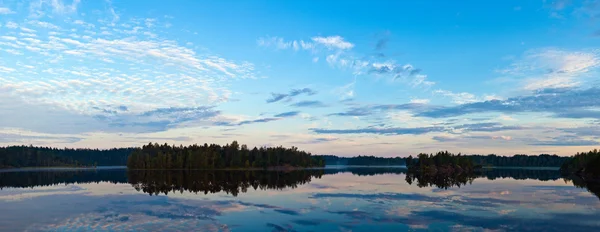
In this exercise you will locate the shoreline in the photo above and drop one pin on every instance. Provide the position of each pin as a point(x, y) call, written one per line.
point(280, 168)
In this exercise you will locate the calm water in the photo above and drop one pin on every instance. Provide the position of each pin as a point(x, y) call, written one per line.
point(360, 199)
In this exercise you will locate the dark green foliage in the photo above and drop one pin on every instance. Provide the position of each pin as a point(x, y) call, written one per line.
point(543, 160)
point(363, 160)
point(441, 162)
point(155, 156)
point(29, 156)
point(585, 163)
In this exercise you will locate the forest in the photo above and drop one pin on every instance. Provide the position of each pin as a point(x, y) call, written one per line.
point(30, 156)
point(442, 163)
point(543, 160)
point(363, 160)
point(214, 156)
point(235, 156)
point(585, 165)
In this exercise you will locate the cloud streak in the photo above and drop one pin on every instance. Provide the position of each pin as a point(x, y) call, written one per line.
point(275, 97)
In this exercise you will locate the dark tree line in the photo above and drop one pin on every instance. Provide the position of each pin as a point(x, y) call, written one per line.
point(214, 156)
point(363, 160)
point(585, 164)
point(543, 160)
point(29, 156)
point(441, 162)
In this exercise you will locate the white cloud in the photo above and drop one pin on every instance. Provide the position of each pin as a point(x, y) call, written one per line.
point(44, 24)
point(553, 68)
point(4, 11)
point(333, 42)
point(6, 69)
point(11, 25)
point(73, 77)
point(39, 8)
point(281, 43)
point(346, 91)
point(419, 101)
point(506, 118)
point(27, 30)
point(458, 98)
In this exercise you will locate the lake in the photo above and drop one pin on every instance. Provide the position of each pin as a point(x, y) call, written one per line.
point(331, 199)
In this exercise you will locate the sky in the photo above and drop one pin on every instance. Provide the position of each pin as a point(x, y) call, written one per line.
point(384, 78)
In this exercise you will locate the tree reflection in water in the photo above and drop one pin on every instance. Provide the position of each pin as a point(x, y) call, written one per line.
point(155, 182)
point(230, 182)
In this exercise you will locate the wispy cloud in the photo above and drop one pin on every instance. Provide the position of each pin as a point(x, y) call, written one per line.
point(275, 97)
point(552, 68)
point(288, 114)
point(381, 131)
point(568, 103)
point(333, 42)
point(312, 104)
point(5, 11)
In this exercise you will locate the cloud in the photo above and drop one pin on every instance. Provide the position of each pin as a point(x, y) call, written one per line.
point(372, 109)
point(5, 11)
point(565, 140)
point(471, 138)
point(346, 91)
point(275, 97)
point(565, 102)
point(381, 131)
point(553, 68)
point(38, 8)
point(401, 72)
point(458, 98)
point(583, 131)
point(11, 25)
point(330, 42)
point(381, 43)
point(312, 104)
point(318, 140)
point(20, 138)
point(258, 121)
point(126, 81)
point(419, 101)
point(486, 127)
point(287, 114)
point(333, 42)
point(281, 43)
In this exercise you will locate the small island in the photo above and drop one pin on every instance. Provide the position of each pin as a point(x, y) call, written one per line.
point(214, 156)
point(442, 163)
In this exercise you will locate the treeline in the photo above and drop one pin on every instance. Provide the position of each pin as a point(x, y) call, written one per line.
point(586, 165)
point(363, 160)
point(30, 156)
point(543, 160)
point(442, 162)
point(214, 156)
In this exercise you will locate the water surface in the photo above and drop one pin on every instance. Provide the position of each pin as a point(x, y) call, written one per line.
point(339, 199)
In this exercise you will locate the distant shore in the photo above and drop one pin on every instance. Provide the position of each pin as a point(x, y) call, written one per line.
point(60, 168)
point(67, 168)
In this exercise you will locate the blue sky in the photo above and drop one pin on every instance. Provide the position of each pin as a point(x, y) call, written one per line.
point(385, 78)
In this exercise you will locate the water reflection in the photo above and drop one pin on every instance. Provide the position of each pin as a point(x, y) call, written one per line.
point(230, 182)
point(333, 199)
point(156, 182)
